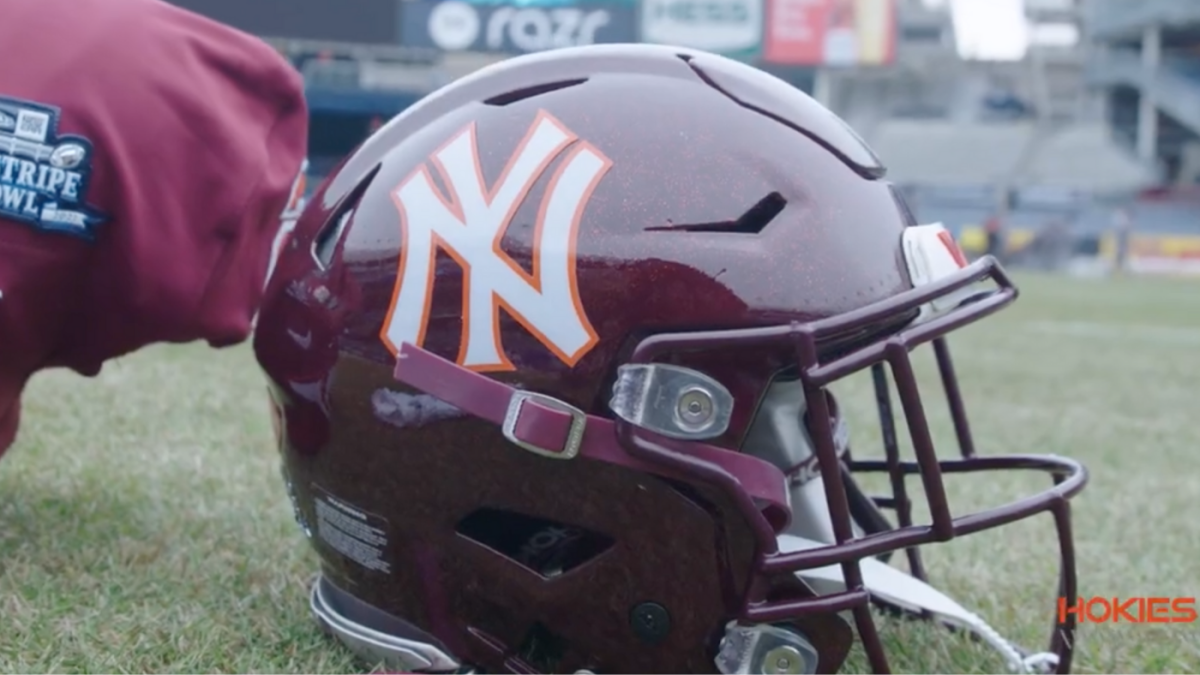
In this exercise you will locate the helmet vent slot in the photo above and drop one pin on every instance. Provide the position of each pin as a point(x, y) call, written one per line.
point(326, 241)
point(910, 218)
point(753, 221)
point(507, 98)
point(545, 547)
point(542, 649)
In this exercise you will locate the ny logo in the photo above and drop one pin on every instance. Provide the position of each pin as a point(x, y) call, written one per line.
point(469, 223)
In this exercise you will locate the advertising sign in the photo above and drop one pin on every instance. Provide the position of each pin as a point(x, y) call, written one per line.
point(1157, 254)
point(830, 32)
point(354, 21)
point(730, 27)
point(454, 25)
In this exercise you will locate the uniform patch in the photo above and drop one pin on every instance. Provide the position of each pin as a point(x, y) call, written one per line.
point(44, 176)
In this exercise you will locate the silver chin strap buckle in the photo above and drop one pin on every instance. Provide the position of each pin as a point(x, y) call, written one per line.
point(574, 438)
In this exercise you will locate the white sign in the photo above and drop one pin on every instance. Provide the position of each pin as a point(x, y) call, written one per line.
point(721, 26)
point(453, 26)
point(457, 26)
point(533, 29)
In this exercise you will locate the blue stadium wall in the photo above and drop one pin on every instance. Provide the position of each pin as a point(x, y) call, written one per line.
point(341, 119)
point(342, 116)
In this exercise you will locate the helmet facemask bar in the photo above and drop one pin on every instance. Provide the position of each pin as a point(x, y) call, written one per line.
point(849, 548)
point(1068, 479)
point(757, 489)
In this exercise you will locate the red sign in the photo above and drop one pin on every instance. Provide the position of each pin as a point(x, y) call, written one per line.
point(830, 32)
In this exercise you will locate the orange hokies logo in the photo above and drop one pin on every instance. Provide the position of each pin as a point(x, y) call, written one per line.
point(1128, 610)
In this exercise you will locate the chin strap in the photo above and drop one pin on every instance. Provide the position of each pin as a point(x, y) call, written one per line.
point(895, 588)
point(1018, 661)
point(557, 431)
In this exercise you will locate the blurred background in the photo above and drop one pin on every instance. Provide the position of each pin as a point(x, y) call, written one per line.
point(1057, 134)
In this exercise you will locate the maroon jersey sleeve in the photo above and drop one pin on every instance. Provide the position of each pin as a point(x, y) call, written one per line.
point(148, 158)
point(199, 135)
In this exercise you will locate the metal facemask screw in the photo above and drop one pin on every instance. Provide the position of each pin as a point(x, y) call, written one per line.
point(695, 408)
point(783, 660)
point(765, 649)
point(674, 401)
point(650, 622)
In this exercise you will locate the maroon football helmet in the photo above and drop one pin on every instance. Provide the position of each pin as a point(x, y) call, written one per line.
point(549, 358)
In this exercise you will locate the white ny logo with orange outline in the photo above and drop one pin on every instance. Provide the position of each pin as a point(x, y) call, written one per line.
point(469, 224)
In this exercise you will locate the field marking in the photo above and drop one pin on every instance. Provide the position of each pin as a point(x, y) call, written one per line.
point(1110, 331)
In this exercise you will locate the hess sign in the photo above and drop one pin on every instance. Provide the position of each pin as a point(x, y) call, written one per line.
point(453, 25)
point(694, 12)
point(721, 26)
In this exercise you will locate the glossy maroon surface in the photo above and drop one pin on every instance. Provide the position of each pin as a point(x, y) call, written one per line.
point(694, 141)
point(682, 153)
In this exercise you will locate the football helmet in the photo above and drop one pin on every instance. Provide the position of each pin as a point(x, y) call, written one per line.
point(550, 358)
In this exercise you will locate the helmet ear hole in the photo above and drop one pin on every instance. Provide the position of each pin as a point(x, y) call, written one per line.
point(545, 547)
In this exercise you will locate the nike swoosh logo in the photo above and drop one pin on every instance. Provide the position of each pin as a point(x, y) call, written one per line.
point(305, 341)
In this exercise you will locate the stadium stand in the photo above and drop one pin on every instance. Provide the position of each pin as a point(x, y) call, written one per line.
point(1146, 60)
point(1051, 145)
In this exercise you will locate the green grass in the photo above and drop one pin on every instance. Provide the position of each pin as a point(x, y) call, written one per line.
point(143, 526)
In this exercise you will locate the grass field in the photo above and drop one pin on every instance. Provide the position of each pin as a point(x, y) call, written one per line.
point(143, 526)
